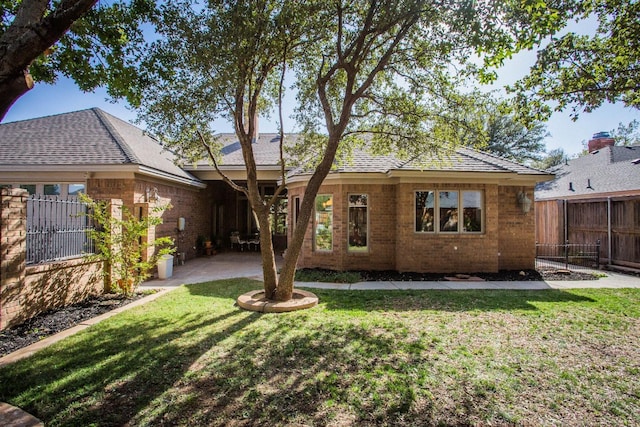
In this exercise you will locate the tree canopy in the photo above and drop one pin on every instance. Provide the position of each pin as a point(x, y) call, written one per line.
point(510, 139)
point(391, 75)
point(553, 158)
point(582, 72)
point(628, 134)
point(40, 40)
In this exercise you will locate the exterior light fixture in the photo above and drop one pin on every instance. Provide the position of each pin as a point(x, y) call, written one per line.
point(524, 201)
point(152, 195)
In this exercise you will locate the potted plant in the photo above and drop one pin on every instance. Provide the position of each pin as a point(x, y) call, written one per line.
point(200, 244)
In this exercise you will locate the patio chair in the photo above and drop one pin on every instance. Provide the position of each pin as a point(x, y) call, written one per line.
point(236, 240)
point(255, 241)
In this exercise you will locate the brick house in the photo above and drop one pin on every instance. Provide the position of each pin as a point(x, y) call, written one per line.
point(463, 213)
point(93, 152)
point(595, 197)
point(466, 212)
point(108, 158)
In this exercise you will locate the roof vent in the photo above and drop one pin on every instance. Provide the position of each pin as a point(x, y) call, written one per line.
point(636, 161)
point(589, 184)
point(571, 186)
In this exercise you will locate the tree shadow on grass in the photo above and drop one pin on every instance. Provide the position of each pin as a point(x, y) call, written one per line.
point(113, 370)
point(210, 363)
point(445, 300)
point(276, 376)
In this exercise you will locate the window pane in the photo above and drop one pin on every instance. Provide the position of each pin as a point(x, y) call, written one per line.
point(358, 229)
point(323, 233)
point(31, 188)
point(425, 213)
point(52, 189)
point(448, 201)
point(472, 211)
point(76, 189)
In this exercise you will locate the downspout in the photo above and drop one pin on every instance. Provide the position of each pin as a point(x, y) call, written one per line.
point(609, 237)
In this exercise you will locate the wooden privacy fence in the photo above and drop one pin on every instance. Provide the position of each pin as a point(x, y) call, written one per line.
point(613, 221)
point(57, 229)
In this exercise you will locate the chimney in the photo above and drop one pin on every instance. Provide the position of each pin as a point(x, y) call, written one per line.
point(600, 140)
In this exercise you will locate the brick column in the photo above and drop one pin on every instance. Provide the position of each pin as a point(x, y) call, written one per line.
point(114, 210)
point(143, 210)
point(13, 249)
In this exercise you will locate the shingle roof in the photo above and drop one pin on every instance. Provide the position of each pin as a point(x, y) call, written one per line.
point(463, 159)
point(608, 170)
point(86, 137)
point(266, 149)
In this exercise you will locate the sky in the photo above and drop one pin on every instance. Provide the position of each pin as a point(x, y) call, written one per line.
point(64, 96)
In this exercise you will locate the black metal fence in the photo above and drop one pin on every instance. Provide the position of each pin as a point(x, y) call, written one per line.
point(570, 256)
point(57, 228)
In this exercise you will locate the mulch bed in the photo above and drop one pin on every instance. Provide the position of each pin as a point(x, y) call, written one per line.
point(504, 275)
point(57, 320)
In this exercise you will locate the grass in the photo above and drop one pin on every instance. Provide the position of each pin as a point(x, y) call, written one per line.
point(359, 358)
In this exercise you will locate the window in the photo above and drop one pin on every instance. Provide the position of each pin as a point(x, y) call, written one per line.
point(472, 211)
point(448, 202)
point(75, 189)
point(31, 188)
point(296, 212)
point(358, 223)
point(443, 208)
point(279, 216)
point(425, 210)
point(323, 226)
point(52, 189)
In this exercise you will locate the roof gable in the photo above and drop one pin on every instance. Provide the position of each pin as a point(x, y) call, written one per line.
point(86, 137)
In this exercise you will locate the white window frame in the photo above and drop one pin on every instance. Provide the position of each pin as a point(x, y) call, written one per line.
point(367, 247)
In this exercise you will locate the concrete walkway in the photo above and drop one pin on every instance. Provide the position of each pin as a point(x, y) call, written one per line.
point(247, 264)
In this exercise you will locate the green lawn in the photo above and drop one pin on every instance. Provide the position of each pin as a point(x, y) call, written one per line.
point(359, 358)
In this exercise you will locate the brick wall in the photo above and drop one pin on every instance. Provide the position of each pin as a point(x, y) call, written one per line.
point(187, 202)
point(507, 240)
point(516, 231)
point(28, 291)
point(446, 252)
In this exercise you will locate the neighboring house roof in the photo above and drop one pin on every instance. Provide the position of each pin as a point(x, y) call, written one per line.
point(90, 139)
point(607, 171)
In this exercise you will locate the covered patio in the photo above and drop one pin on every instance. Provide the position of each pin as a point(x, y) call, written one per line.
point(225, 265)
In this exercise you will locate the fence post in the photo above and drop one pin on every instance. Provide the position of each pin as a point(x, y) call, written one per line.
point(598, 254)
point(566, 254)
point(13, 248)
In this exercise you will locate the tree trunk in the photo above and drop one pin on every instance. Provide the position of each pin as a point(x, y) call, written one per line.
point(30, 34)
point(269, 268)
point(284, 291)
point(13, 88)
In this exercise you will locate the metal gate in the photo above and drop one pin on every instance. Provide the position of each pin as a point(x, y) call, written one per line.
point(569, 256)
point(57, 228)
